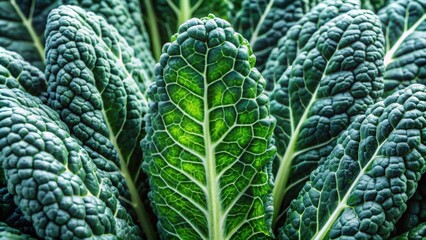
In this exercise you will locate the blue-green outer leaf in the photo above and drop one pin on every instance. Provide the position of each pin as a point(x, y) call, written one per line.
point(22, 25)
point(404, 27)
point(296, 38)
point(208, 139)
point(53, 179)
point(126, 17)
point(264, 22)
point(336, 77)
point(416, 233)
point(92, 75)
point(362, 188)
point(10, 233)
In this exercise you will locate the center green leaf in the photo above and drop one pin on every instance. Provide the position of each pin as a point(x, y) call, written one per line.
point(208, 146)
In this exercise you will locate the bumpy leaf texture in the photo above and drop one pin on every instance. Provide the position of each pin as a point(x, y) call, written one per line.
point(208, 140)
point(8, 233)
point(52, 178)
point(404, 26)
point(335, 77)
point(264, 22)
point(22, 26)
point(416, 233)
point(289, 46)
point(92, 76)
point(126, 17)
point(17, 73)
point(362, 188)
point(416, 210)
point(11, 214)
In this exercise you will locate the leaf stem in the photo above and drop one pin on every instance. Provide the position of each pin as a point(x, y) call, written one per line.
point(135, 200)
point(153, 30)
point(27, 23)
point(185, 12)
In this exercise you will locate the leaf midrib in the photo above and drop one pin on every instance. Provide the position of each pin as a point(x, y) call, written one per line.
point(388, 59)
point(136, 201)
point(213, 198)
point(253, 38)
point(342, 204)
point(27, 24)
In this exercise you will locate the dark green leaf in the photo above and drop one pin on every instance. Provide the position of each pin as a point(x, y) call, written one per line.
point(335, 77)
point(92, 76)
point(22, 25)
point(362, 188)
point(289, 46)
point(53, 179)
point(404, 27)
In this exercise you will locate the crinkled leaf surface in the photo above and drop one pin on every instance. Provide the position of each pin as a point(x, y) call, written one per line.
point(126, 17)
point(53, 179)
point(92, 76)
point(15, 72)
point(404, 26)
point(416, 210)
point(264, 22)
point(208, 140)
point(10, 213)
point(415, 233)
point(362, 188)
point(335, 77)
point(289, 46)
point(22, 25)
point(8, 233)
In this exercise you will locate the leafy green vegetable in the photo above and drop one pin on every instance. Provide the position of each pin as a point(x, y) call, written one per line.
point(375, 5)
point(289, 46)
point(9, 233)
point(52, 178)
point(17, 73)
point(126, 17)
point(404, 27)
point(165, 16)
point(264, 22)
point(416, 210)
point(11, 214)
point(362, 188)
point(335, 77)
point(92, 78)
point(208, 140)
point(22, 26)
point(416, 233)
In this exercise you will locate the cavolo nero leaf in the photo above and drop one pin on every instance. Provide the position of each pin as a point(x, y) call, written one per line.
point(53, 179)
point(289, 46)
point(208, 144)
point(9, 233)
point(264, 22)
point(126, 17)
point(404, 27)
point(375, 5)
point(362, 188)
point(17, 73)
point(92, 76)
point(22, 26)
point(335, 77)
point(416, 233)
point(416, 210)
